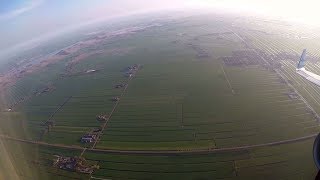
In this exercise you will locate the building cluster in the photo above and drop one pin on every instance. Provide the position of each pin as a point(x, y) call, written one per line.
point(243, 58)
point(47, 89)
point(49, 124)
point(76, 164)
point(115, 99)
point(201, 53)
point(102, 117)
point(293, 95)
point(259, 57)
point(132, 70)
point(118, 86)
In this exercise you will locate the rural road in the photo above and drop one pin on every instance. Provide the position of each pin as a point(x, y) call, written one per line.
point(164, 152)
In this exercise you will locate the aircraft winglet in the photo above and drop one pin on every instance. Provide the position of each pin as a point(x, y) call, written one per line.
point(302, 59)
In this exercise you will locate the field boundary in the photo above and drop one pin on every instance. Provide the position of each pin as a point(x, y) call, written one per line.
point(165, 152)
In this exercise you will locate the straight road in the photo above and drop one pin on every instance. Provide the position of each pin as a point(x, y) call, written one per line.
point(165, 152)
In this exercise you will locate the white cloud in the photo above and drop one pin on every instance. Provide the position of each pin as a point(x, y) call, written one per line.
point(14, 13)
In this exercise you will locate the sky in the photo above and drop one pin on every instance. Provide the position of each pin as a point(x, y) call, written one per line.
point(24, 20)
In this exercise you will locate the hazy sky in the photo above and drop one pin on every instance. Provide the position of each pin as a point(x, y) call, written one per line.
point(22, 20)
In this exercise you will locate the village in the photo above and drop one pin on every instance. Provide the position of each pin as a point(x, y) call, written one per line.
point(76, 164)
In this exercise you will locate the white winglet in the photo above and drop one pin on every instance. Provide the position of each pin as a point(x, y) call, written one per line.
point(314, 78)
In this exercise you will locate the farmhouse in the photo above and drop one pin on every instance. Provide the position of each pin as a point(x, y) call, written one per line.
point(293, 95)
point(129, 74)
point(102, 117)
point(131, 70)
point(115, 99)
point(91, 71)
point(48, 124)
point(8, 109)
point(96, 130)
point(88, 138)
point(119, 86)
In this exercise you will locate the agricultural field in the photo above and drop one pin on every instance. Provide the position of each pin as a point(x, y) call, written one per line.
point(206, 100)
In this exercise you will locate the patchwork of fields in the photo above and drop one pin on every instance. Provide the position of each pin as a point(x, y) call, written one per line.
point(185, 97)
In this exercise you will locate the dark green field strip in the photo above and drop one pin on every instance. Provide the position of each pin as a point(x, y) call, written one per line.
point(71, 123)
point(225, 135)
point(214, 166)
point(261, 89)
point(250, 123)
point(116, 174)
point(39, 108)
point(156, 137)
point(148, 108)
point(177, 131)
point(146, 123)
point(254, 121)
point(139, 129)
point(61, 174)
point(264, 137)
point(89, 104)
point(215, 157)
point(256, 116)
point(227, 139)
point(282, 161)
point(70, 128)
point(57, 151)
point(220, 140)
point(34, 133)
point(150, 116)
point(125, 173)
point(136, 120)
point(247, 116)
point(55, 130)
point(84, 122)
point(259, 123)
point(169, 168)
point(173, 145)
point(63, 137)
point(93, 99)
point(91, 110)
point(278, 170)
point(39, 116)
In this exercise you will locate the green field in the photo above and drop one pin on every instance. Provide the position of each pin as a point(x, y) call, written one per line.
point(184, 98)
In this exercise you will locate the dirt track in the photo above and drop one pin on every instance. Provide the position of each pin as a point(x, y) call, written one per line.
point(165, 152)
point(110, 115)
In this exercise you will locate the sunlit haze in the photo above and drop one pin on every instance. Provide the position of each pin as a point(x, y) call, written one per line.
point(26, 20)
point(292, 10)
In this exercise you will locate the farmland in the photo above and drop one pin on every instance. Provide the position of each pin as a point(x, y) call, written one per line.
point(200, 86)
